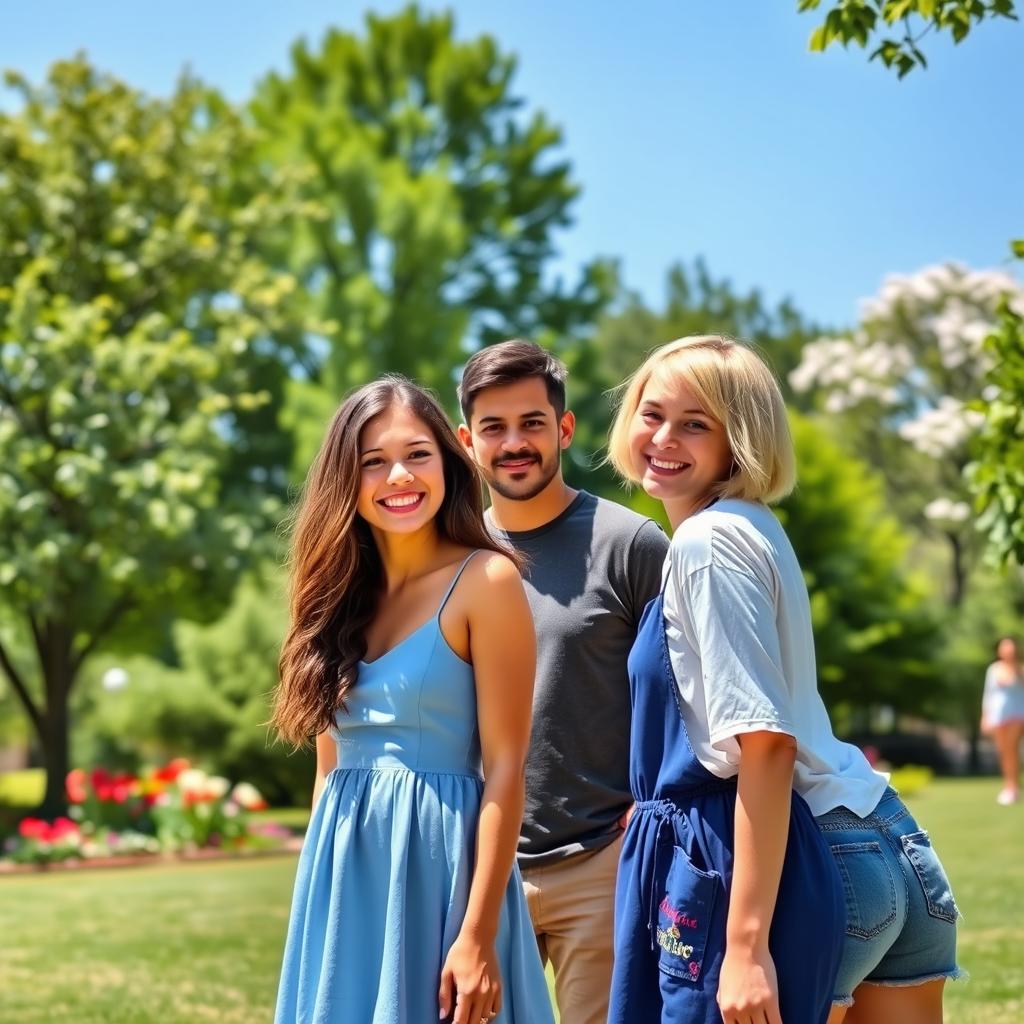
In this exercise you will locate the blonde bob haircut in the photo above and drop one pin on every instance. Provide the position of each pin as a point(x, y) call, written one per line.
point(733, 385)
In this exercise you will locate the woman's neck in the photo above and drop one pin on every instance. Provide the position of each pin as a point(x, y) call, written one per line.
point(405, 556)
point(683, 508)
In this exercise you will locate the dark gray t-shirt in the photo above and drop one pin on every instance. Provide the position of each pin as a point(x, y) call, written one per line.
point(590, 573)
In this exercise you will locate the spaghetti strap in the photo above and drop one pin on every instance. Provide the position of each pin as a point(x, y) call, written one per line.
point(455, 579)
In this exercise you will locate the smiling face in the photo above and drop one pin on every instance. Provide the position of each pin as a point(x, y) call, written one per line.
point(401, 479)
point(678, 450)
point(516, 438)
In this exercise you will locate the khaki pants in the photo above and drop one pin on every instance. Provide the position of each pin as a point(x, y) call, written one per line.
point(572, 906)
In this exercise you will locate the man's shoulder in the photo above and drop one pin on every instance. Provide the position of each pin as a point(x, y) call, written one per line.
point(617, 520)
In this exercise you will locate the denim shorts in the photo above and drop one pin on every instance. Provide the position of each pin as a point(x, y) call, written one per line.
point(900, 914)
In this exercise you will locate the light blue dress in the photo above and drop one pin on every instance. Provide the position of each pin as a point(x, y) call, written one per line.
point(383, 879)
point(1003, 702)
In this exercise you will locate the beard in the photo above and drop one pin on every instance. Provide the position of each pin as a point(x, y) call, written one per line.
point(522, 490)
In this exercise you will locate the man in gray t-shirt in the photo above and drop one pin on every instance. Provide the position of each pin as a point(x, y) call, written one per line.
point(592, 567)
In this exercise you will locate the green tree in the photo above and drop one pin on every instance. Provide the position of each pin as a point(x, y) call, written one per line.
point(997, 474)
point(138, 332)
point(870, 22)
point(431, 200)
point(696, 302)
point(874, 626)
point(211, 705)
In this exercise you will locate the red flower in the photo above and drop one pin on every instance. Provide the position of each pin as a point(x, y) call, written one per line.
point(41, 831)
point(77, 790)
point(122, 787)
point(102, 783)
point(33, 828)
point(60, 829)
point(172, 770)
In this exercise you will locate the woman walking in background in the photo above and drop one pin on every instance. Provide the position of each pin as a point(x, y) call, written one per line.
point(730, 903)
point(410, 658)
point(1002, 715)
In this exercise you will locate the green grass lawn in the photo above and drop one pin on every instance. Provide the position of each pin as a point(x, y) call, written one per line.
point(202, 942)
point(982, 848)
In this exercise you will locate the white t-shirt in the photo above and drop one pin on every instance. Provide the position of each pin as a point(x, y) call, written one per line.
point(738, 626)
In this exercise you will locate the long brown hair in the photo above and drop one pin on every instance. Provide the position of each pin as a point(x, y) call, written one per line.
point(336, 571)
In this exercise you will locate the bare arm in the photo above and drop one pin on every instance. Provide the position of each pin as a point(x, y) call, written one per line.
point(326, 761)
point(503, 651)
point(748, 987)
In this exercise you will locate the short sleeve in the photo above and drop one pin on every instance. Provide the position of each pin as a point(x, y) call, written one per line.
point(644, 565)
point(732, 617)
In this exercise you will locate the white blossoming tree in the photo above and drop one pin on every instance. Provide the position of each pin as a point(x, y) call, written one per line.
point(893, 29)
point(905, 385)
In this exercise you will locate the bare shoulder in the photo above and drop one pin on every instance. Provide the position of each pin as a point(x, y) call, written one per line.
point(489, 602)
point(491, 570)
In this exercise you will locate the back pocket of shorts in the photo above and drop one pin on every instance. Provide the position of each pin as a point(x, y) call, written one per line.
point(684, 916)
point(937, 891)
point(868, 888)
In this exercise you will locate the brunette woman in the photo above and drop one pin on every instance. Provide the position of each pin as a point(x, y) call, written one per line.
point(409, 659)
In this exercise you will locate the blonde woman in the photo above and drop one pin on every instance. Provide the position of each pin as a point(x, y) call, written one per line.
point(730, 904)
point(410, 658)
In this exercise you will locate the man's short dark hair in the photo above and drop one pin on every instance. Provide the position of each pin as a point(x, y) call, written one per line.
point(507, 363)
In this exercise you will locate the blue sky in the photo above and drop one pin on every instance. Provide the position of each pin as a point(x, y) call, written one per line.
point(696, 128)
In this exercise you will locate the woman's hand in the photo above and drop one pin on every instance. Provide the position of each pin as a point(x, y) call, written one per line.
point(748, 989)
point(470, 982)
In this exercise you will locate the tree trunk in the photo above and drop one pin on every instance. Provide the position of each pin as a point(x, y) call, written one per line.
point(53, 643)
point(55, 760)
point(958, 570)
point(973, 751)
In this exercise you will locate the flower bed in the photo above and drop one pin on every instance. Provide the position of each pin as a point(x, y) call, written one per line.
point(172, 810)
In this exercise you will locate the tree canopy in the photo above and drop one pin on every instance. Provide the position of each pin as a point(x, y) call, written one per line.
point(875, 628)
point(896, 28)
point(431, 198)
point(137, 334)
